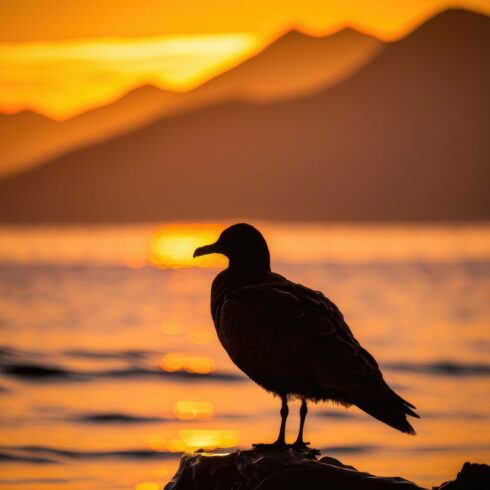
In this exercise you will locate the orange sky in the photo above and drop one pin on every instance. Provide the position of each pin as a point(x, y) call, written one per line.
point(61, 57)
point(63, 78)
point(28, 20)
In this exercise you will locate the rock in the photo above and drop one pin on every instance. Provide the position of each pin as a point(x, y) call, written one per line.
point(471, 477)
point(266, 469)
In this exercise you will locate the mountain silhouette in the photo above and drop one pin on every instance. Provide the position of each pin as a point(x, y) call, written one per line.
point(14, 129)
point(405, 138)
point(295, 64)
point(292, 65)
point(47, 137)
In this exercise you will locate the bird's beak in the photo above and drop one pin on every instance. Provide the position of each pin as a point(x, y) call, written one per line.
point(214, 248)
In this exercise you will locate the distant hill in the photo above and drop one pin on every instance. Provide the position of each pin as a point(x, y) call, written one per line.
point(15, 129)
point(293, 65)
point(405, 138)
point(47, 137)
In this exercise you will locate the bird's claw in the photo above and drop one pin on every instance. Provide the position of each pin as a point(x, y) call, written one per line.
point(303, 446)
point(274, 445)
point(300, 445)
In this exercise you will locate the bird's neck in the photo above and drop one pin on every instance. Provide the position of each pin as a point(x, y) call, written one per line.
point(254, 264)
point(230, 280)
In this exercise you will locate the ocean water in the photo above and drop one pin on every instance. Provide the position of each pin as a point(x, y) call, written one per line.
point(110, 366)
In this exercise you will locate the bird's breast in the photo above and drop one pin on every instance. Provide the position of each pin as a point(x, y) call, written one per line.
point(257, 348)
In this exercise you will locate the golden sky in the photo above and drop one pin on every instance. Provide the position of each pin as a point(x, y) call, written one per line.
point(28, 20)
point(63, 78)
point(61, 57)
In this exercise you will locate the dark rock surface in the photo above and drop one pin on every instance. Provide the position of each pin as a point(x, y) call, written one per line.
point(265, 469)
point(471, 477)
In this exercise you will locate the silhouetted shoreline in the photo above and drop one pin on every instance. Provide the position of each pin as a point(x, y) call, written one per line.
point(259, 469)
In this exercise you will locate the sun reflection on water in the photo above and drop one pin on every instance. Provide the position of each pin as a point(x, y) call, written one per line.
point(193, 409)
point(414, 312)
point(148, 486)
point(173, 245)
point(175, 361)
point(209, 439)
point(189, 440)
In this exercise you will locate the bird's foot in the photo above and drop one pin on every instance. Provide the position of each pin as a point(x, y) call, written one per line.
point(300, 446)
point(274, 445)
point(303, 447)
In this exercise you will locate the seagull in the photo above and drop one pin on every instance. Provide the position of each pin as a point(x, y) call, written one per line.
point(291, 340)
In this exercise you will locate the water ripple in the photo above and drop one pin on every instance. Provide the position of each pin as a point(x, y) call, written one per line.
point(45, 454)
point(44, 372)
point(444, 368)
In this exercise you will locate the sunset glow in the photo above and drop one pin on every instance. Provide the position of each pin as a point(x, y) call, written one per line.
point(173, 362)
point(173, 246)
point(78, 59)
point(326, 160)
point(193, 409)
point(190, 440)
point(148, 486)
point(378, 275)
point(171, 327)
point(62, 78)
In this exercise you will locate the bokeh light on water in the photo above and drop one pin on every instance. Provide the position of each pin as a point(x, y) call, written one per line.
point(193, 409)
point(175, 361)
point(128, 371)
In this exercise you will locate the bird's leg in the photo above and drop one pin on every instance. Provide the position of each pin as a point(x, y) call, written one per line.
point(281, 439)
point(300, 444)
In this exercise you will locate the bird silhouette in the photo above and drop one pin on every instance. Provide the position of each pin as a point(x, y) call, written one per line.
point(291, 340)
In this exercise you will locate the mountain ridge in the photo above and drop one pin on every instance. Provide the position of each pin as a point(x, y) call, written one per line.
point(143, 104)
point(404, 139)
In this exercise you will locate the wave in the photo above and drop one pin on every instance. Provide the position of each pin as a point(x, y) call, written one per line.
point(39, 372)
point(47, 481)
point(456, 415)
point(36, 366)
point(353, 449)
point(115, 418)
point(137, 371)
point(130, 355)
point(336, 414)
point(47, 372)
point(445, 368)
point(35, 371)
point(10, 353)
point(19, 458)
point(367, 448)
point(47, 454)
point(434, 415)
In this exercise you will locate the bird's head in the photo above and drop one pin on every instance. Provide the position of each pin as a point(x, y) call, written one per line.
point(244, 246)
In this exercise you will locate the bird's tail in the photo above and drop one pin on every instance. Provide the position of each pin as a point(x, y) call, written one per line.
point(392, 412)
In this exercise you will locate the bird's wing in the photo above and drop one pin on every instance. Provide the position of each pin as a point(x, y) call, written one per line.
point(305, 327)
point(309, 331)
